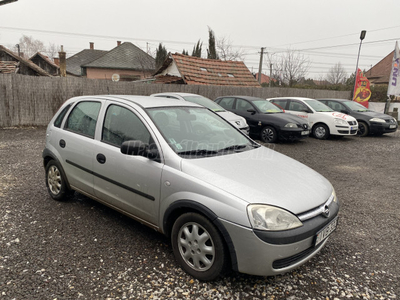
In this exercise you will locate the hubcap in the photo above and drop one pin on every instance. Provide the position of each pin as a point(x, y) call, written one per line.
point(54, 180)
point(361, 129)
point(268, 134)
point(196, 247)
point(320, 132)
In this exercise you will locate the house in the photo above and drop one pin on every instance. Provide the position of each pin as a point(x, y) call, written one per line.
point(81, 58)
point(380, 73)
point(12, 63)
point(46, 64)
point(126, 62)
point(264, 78)
point(190, 70)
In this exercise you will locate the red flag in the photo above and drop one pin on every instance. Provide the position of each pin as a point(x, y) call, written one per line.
point(362, 92)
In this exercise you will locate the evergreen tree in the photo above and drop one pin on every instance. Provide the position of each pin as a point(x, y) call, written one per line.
point(161, 55)
point(211, 51)
point(185, 52)
point(197, 49)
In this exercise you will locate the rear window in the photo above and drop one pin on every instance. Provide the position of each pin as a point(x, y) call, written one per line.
point(60, 118)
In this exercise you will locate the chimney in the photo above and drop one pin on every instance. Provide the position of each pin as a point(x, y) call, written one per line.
point(63, 62)
point(91, 46)
point(118, 43)
point(56, 61)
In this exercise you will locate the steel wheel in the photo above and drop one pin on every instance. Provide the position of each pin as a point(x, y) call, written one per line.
point(198, 246)
point(321, 131)
point(55, 181)
point(268, 135)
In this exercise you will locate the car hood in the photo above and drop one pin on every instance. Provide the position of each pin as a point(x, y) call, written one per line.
point(236, 120)
point(283, 118)
point(373, 114)
point(339, 115)
point(263, 176)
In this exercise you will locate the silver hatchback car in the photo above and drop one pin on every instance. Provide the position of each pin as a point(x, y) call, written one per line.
point(222, 199)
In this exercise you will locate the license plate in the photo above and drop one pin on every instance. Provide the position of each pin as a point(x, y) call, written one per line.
point(325, 232)
point(392, 126)
point(305, 132)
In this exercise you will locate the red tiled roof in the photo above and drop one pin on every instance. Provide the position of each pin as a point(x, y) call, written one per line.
point(264, 78)
point(380, 73)
point(200, 71)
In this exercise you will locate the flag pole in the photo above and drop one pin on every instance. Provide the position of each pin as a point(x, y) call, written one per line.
point(362, 36)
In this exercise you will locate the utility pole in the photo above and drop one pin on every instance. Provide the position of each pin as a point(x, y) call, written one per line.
point(270, 74)
point(260, 67)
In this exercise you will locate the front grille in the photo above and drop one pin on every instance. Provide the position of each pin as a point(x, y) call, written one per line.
point(353, 131)
point(352, 122)
point(291, 260)
point(343, 131)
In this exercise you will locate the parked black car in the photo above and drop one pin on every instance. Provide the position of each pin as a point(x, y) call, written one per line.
point(369, 121)
point(266, 120)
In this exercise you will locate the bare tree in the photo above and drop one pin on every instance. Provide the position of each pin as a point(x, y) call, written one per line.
point(337, 74)
point(227, 52)
point(291, 67)
point(29, 46)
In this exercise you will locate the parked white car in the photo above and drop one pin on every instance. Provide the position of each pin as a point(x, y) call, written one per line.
point(234, 119)
point(323, 120)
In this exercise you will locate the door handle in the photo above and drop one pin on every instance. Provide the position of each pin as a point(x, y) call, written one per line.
point(101, 158)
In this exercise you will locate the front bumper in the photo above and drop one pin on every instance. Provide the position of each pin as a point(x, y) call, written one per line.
point(382, 127)
point(345, 130)
point(293, 134)
point(270, 253)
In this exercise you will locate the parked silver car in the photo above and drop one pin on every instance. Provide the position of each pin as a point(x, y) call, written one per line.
point(222, 199)
point(236, 120)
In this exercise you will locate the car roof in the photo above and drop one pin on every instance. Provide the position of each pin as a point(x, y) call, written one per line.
point(334, 99)
point(143, 101)
point(291, 98)
point(176, 93)
point(250, 98)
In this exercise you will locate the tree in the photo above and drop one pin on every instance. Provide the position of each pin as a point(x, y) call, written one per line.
point(52, 50)
point(337, 74)
point(211, 51)
point(197, 49)
point(227, 52)
point(185, 52)
point(291, 67)
point(29, 46)
point(161, 55)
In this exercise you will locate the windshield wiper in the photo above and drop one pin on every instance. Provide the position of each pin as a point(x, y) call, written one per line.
point(233, 147)
point(202, 152)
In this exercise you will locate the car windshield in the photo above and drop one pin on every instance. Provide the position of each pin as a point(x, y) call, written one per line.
point(356, 106)
point(203, 101)
point(195, 132)
point(318, 106)
point(267, 107)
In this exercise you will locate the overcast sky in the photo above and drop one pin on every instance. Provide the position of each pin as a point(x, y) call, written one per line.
point(326, 32)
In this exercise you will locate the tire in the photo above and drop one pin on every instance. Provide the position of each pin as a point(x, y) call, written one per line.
point(321, 131)
point(55, 181)
point(363, 129)
point(198, 247)
point(268, 134)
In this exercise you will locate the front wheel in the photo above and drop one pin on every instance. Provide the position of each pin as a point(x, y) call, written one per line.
point(362, 129)
point(198, 246)
point(321, 131)
point(269, 135)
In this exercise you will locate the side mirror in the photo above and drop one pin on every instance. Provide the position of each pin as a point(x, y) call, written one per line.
point(138, 148)
point(252, 111)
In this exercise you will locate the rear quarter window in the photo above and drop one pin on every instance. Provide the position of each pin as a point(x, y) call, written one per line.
point(83, 118)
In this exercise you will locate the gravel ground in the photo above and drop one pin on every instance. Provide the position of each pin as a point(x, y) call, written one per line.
point(80, 249)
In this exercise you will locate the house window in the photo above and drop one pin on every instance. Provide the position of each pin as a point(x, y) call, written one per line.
point(230, 75)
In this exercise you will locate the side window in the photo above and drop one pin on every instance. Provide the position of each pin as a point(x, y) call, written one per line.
point(243, 105)
point(60, 118)
point(83, 118)
point(336, 106)
point(280, 103)
point(297, 106)
point(227, 103)
point(121, 124)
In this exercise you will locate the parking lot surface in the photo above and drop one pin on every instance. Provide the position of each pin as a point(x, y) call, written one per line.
point(80, 249)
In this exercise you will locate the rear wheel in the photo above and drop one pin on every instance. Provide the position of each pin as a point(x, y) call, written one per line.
point(198, 246)
point(55, 181)
point(321, 131)
point(362, 129)
point(268, 135)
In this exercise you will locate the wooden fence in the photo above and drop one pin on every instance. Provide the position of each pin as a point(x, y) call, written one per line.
point(31, 100)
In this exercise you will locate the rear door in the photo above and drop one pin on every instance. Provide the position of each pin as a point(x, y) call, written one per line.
point(130, 183)
point(241, 108)
point(298, 108)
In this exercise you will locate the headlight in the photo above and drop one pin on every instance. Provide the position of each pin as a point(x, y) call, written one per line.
point(377, 120)
point(265, 217)
point(291, 125)
point(334, 195)
point(340, 121)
